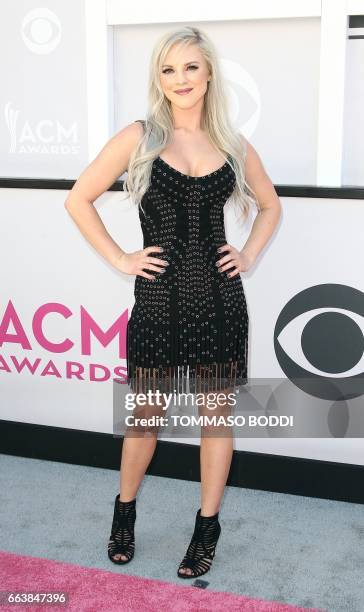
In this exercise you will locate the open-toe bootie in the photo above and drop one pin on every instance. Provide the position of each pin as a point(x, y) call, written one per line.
point(201, 550)
point(122, 541)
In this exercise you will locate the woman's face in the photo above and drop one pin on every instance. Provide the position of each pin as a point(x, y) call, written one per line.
point(184, 68)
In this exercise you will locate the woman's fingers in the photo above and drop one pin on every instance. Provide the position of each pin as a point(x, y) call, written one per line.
point(152, 263)
point(228, 263)
point(152, 249)
point(151, 267)
point(237, 271)
point(155, 260)
point(146, 275)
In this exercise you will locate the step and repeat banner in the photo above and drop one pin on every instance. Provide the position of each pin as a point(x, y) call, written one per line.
point(64, 309)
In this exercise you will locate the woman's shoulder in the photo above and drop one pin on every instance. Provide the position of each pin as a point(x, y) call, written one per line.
point(142, 123)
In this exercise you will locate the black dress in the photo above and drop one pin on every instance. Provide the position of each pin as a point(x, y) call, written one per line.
point(188, 328)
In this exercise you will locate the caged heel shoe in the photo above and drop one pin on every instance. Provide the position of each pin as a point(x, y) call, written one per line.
point(201, 550)
point(122, 541)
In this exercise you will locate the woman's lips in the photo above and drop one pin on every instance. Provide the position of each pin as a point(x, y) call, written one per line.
point(183, 92)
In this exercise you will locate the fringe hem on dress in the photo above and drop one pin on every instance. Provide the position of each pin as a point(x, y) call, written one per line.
point(200, 358)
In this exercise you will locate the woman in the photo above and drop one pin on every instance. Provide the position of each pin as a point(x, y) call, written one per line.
point(190, 317)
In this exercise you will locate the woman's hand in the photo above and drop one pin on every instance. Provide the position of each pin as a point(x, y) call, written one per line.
point(241, 260)
point(133, 263)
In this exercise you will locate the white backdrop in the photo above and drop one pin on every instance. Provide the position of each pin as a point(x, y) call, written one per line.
point(43, 127)
point(294, 80)
point(273, 96)
point(52, 118)
point(46, 260)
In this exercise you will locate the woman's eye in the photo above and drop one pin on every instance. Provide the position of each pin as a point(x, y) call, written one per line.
point(166, 70)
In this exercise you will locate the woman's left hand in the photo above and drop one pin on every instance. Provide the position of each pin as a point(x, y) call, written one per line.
point(240, 260)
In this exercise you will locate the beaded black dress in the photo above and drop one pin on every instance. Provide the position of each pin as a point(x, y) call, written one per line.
point(188, 328)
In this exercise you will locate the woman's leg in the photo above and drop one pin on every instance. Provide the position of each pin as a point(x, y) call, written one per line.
point(216, 452)
point(137, 452)
point(215, 457)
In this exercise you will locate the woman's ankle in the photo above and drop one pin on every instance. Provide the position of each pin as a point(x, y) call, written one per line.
point(126, 499)
point(208, 513)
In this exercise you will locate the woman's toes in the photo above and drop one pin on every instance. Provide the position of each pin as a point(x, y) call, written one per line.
point(185, 570)
point(119, 557)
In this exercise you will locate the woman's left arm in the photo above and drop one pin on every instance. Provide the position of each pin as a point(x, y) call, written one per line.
point(265, 221)
point(268, 201)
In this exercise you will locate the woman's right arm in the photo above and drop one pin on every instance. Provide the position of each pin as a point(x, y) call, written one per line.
point(110, 163)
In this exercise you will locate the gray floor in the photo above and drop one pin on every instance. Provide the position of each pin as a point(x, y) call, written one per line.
point(292, 549)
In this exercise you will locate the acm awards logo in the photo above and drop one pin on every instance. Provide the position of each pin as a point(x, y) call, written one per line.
point(319, 344)
point(41, 32)
point(46, 136)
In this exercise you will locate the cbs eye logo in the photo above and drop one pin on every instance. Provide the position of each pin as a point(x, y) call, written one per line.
point(41, 31)
point(319, 342)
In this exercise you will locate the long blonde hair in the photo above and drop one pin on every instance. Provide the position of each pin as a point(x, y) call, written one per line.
point(159, 127)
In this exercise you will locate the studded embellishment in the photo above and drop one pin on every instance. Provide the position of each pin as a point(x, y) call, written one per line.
point(188, 326)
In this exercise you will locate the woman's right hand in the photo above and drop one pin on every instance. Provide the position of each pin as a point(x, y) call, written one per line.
point(133, 263)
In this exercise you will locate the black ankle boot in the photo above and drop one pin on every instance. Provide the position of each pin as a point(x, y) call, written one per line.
point(122, 531)
point(201, 549)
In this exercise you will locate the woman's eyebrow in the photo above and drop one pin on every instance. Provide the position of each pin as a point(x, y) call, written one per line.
point(169, 65)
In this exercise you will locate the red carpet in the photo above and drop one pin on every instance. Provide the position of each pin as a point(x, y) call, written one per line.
point(95, 590)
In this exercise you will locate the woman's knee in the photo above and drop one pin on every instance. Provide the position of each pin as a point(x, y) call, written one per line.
point(215, 409)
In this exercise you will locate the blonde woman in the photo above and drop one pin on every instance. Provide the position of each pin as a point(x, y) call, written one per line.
point(189, 320)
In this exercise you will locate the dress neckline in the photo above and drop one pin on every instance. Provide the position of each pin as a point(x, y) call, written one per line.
point(189, 175)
